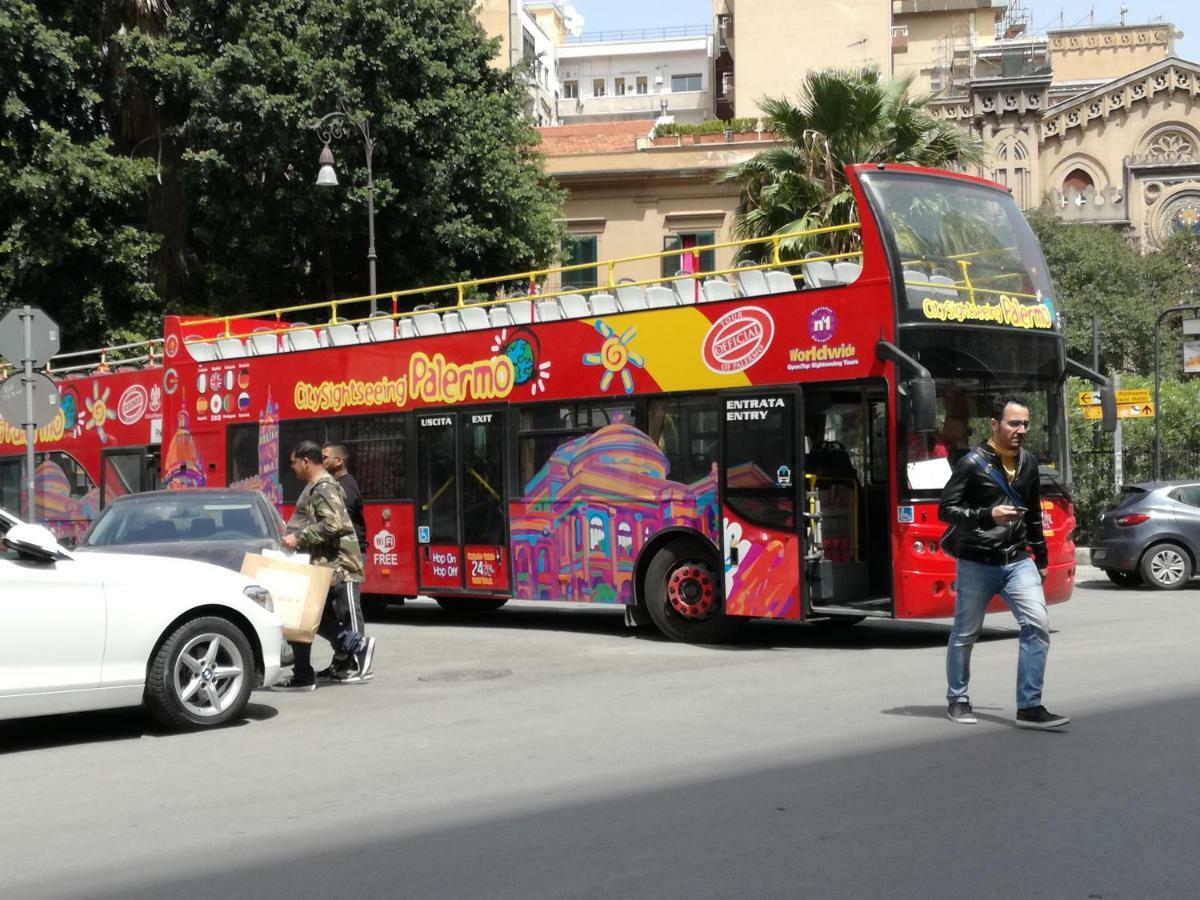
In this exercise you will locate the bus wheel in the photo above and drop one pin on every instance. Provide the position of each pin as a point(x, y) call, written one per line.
point(469, 606)
point(683, 595)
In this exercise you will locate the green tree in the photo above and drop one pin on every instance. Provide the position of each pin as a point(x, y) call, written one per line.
point(840, 117)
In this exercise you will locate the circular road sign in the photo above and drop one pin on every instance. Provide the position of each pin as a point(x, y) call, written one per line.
point(12, 400)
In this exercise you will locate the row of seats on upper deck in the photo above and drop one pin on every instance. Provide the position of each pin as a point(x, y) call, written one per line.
point(624, 298)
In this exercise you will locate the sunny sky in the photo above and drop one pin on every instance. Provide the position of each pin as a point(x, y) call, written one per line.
point(615, 15)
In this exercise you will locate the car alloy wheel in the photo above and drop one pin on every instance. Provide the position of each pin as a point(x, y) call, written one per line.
point(208, 675)
point(1167, 567)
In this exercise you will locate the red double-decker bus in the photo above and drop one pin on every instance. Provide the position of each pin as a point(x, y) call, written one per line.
point(765, 441)
point(104, 441)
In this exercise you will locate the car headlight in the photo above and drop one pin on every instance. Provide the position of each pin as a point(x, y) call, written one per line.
point(259, 595)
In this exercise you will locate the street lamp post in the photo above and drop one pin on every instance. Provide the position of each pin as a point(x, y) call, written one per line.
point(333, 126)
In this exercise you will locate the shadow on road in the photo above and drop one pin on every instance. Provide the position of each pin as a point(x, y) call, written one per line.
point(43, 732)
point(1100, 810)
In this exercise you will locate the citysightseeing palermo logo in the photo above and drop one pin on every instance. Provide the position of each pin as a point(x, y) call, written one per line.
point(98, 412)
point(615, 356)
point(522, 348)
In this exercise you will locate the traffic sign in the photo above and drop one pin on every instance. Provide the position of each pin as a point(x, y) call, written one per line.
point(1124, 411)
point(12, 400)
point(1089, 398)
point(1139, 396)
point(43, 336)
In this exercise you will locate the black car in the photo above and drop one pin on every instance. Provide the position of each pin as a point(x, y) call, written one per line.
point(212, 525)
point(1150, 534)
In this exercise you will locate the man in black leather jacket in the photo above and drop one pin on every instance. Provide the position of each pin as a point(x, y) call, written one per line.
point(993, 504)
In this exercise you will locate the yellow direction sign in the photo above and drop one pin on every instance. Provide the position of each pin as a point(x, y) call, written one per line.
point(1140, 396)
point(1090, 398)
point(1124, 411)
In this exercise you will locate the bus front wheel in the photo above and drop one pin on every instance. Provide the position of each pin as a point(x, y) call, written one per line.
point(683, 594)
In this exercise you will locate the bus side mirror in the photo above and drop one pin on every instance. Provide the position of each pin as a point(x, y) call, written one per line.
point(1108, 407)
point(922, 404)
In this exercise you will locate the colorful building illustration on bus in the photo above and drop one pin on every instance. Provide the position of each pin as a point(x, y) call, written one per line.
point(591, 508)
point(182, 467)
point(267, 479)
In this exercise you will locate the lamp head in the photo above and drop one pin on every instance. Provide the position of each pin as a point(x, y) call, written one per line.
point(326, 177)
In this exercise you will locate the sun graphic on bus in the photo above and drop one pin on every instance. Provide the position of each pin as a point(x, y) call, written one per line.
point(98, 412)
point(522, 349)
point(615, 356)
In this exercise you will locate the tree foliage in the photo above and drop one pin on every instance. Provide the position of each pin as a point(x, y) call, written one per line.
point(165, 159)
point(840, 117)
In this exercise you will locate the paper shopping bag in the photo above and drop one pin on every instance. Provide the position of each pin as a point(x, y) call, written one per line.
point(298, 592)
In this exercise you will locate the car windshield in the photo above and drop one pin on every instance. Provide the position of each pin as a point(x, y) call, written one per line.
point(181, 517)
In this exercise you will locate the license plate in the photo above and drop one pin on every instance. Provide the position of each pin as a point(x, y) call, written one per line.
point(1099, 554)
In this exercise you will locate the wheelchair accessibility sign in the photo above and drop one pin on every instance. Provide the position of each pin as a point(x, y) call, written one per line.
point(904, 515)
point(422, 534)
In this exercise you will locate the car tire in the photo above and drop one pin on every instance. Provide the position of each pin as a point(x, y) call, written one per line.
point(684, 595)
point(1167, 567)
point(1124, 579)
point(201, 676)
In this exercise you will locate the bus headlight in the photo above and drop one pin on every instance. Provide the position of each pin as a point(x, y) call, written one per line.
point(259, 595)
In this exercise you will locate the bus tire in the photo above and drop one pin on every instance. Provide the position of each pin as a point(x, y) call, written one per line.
point(683, 594)
point(470, 606)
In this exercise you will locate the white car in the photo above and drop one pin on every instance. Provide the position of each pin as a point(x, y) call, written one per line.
point(187, 640)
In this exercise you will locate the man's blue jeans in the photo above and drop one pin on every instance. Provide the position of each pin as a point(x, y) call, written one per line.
point(1020, 586)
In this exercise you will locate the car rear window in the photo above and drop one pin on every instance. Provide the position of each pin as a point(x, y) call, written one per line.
point(178, 519)
point(1128, 496)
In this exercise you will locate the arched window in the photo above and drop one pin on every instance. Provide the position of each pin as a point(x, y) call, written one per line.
point(1077, 180)
point(1011, 168)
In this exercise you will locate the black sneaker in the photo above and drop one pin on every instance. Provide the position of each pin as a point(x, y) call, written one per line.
point(1041, 718)
point(291, 684)
point(350, 676)
point(338, 670)
point(960, 711)
point(364, 657)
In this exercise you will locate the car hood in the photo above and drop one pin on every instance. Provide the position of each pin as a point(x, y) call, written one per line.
point(142, 568)
point(226, 554)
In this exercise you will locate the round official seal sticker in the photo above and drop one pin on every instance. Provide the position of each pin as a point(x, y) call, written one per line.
point(172, 346)
point(133, 404)
point(738, 340)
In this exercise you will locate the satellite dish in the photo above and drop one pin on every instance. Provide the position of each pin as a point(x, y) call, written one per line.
point(573, 21)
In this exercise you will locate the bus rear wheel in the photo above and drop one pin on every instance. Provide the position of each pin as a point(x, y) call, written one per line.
point(683, 595)
point(470, 606)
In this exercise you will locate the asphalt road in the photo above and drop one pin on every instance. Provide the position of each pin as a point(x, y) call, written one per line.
point(547, 753)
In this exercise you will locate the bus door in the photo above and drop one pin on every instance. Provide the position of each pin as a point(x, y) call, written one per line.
point(461, 524)
point(761, 492)
point(129, 470)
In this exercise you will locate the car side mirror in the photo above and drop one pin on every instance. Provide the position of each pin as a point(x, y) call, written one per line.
point(35, 541)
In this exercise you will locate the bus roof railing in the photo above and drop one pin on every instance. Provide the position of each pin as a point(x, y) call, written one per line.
point(460, 290)
point(101, 360)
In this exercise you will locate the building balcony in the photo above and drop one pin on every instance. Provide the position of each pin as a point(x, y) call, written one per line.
point(684, 106)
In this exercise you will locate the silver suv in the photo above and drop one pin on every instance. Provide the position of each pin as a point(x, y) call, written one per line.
point(1150, 534)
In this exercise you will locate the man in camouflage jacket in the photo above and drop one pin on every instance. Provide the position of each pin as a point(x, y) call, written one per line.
point(321, 527)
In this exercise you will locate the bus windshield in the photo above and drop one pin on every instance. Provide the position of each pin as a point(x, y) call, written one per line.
point(971, 368)
point(965, 251)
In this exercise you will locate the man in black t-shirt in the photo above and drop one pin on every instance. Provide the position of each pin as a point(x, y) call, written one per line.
point(334, 457)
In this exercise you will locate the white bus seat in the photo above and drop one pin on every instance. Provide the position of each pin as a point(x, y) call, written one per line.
point(948, 288)
point(846, 272)
point(230, 348)
point(631, 297)
point(428, 323)
point(364, 334)
point(751, 282)
point(451, 322)
point(301, 339)
point(603, 304)
point(474, 318)
point(780, 281)
point(382, 328)
point(717, 289)
point(548, 310)
point(202, 352)
point(499, 317)
point(341, 335)
point(686, 289)
point(818, 273)
point(521, 311)
point(405, 328)
point(660, 297)
point(262, 344)
point(574, 306)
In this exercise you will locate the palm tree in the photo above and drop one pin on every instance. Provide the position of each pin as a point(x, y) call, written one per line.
point(841, 117)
